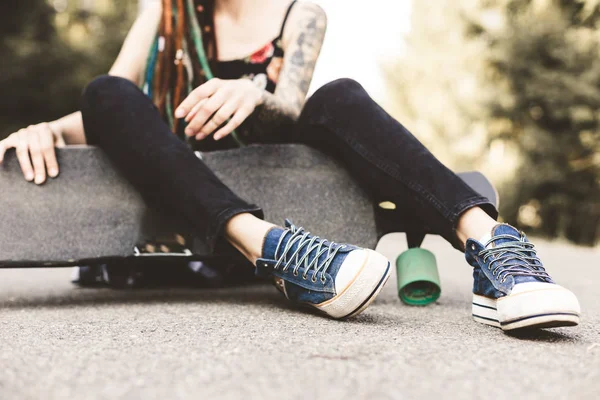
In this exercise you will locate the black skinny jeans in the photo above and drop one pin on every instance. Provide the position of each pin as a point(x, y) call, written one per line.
point(340, 119)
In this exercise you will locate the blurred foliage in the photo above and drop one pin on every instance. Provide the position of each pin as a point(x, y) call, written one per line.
point(50, 50)
point(512, 87)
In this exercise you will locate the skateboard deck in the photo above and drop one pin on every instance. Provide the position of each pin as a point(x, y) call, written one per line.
point(91, 215)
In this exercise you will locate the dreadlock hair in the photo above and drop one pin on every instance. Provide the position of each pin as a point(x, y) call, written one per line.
point(183, 55)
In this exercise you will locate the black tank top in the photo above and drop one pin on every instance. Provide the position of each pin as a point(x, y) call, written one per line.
point(263, 68)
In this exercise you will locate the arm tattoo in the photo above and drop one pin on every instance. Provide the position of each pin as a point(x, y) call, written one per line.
point(285, 105)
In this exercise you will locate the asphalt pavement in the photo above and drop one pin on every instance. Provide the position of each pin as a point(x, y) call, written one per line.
point(62, 342)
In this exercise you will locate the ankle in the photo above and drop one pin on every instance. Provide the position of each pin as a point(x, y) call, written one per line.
point(247, 233)
point(474, 224)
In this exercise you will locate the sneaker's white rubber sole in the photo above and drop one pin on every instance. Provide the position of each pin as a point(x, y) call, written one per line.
point(530, 306)
point(370, 278)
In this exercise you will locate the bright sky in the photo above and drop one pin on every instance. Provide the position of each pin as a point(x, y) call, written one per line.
point(360, 35)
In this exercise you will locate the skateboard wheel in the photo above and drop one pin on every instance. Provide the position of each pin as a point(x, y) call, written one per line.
point(418, 277)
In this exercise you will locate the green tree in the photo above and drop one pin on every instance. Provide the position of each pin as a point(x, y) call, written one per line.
point(512, 87)
point(49, 54)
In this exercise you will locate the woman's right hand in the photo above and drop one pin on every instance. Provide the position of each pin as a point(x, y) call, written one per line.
point(35, 150)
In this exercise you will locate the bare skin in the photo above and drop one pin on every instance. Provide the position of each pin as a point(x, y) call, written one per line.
point(246, 232)
point(474, 223)
point(237, 99)
point(252, 23)
point(242, 27)
point(39, 161)
point(249, 25)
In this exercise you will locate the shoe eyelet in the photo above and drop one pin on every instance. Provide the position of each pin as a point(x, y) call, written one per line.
point(304, 277)
point(472, 246)
point(313, 279)
point(296, 273)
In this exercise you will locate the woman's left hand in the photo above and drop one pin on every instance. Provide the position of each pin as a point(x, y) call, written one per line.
point(210, 105)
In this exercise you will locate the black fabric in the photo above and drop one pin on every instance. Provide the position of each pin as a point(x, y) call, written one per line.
point(388, 161)
point(262, 67)
point(287, 15)
point(90, 211)
point(340, 119)
point(121, 120)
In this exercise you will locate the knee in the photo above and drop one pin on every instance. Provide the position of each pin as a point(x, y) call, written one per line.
point(339, 90)
point(107, 89)
point(103, 99)
point(336, 95)
point(340, 86)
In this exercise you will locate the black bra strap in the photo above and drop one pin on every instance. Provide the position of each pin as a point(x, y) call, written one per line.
point(287, 14)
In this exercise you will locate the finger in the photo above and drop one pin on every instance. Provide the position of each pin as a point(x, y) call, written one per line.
point(8, 143)
point(194, 110)
point(213, 104)
point(48, 152)
point(57, 138)
point(37, 158)
point(22, 148)
point(59, 141)
point(225, 112)
point(233, 123)
point(201, 92)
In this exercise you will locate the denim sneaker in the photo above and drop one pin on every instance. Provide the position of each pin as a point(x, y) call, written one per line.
point(338, 279)
point(512, 289)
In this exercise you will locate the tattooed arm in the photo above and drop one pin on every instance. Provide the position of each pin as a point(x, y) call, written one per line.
point(220, 100)
point(302, 40)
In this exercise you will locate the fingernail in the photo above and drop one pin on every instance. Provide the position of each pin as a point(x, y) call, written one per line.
point(53, 172)
point(189, 132)
point(29, 177)
point(39, 179)
point(217, 137)
point(180, 113)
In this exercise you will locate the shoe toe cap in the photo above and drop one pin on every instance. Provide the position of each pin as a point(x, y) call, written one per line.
point(541, 297)
point(354, 262)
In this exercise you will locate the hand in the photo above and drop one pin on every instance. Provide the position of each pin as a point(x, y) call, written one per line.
point(210, 105)
point(35, 150)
